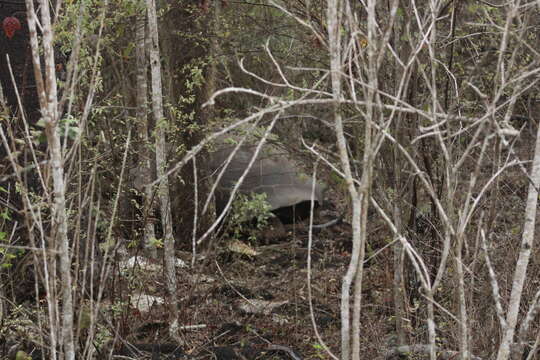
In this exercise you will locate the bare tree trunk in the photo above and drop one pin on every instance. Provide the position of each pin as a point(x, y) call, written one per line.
point(49, 271)
point(398, 285)
point(144, 140)
point(161, 164)
point(334, 39)
point(211, 72)
point(367, 169)
point(47, 92)
point(524, 255)
point(462, 302)
point(350, 333)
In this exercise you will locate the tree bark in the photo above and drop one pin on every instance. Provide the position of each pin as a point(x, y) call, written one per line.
point(48, 95)
point(144, 140)
point(524, 255)
point(161, 163)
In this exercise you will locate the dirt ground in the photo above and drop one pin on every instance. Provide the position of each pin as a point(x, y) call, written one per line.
point(236, 305)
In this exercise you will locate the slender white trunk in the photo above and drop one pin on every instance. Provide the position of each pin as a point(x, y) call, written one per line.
point(350, 333)
point(462, 302)
point(49, 271)
point(161, 162)
point(142, 125)
point(47, 93)
point(334, 39)
point(524, 256)
point(398, 285)
point(53, 139)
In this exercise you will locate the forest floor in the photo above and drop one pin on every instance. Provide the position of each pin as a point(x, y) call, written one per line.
point(256, 304)
point(236, 305)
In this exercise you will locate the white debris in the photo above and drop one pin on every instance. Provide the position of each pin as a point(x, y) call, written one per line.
point(144, 302)
point(279, 319)
point(180, 263)
point(139, 263)
point(143, 264)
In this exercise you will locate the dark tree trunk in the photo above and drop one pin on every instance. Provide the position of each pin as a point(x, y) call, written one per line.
point(185, 45)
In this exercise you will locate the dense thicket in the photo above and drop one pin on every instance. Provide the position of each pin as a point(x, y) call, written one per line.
point(422, 119)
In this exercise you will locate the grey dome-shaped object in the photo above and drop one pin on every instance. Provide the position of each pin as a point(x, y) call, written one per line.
point(273, 173)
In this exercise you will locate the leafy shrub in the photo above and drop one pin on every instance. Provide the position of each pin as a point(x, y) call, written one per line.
point(250, 213)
